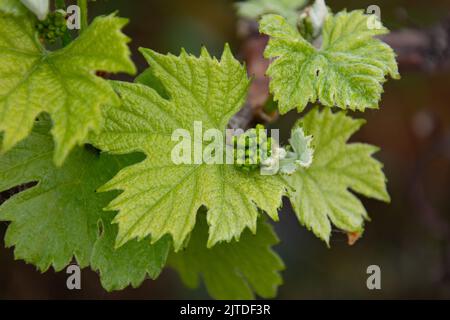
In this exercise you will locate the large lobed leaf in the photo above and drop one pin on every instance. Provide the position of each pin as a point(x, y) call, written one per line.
point(347, 71)
point(231, 270)
point(62, 216)
point(160, 197)
point(62, 83)
point(321, 194)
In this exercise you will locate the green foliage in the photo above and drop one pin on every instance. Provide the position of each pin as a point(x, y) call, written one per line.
point(321, 193)
point(129, 264)
point(33, 80)
point(42, 234)
point(62, 216)
point(160, 197)
point(347, 71)
point(231, 270)
point(205, 219)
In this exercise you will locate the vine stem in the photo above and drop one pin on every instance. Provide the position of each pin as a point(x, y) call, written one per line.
point(84, 14)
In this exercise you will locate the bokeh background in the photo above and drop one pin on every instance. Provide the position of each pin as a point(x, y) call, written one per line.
point(409, 238)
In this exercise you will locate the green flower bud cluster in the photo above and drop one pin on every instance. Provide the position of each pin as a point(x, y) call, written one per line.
point(305, 27)
point(53, 27)
point(251, 148)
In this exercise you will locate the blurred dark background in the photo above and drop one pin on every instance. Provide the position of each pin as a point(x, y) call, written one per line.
point(409, 238)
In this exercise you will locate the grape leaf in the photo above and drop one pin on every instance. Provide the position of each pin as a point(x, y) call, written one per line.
point(59, 217)
point(321, 193)
point(62, 83)
point(254, 9)
point(231, 270)
point(160, 197)
point(347, 71)
point(129, 264)
point(52, 221)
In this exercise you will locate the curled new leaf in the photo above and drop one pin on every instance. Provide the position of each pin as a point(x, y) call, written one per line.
point(13, 7)
point(300, 153)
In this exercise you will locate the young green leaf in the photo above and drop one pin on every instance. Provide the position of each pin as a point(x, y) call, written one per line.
point(301, 154)
point(62, 83)
point(312, 19)
point(347, 71)
point(231, 270)
point(59, 217)
point(254, 9)
point(321, 193)
point(160, 197)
